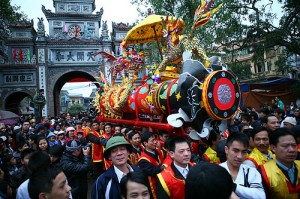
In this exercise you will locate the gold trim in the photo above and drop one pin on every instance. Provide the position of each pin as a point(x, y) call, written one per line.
point(163, 184)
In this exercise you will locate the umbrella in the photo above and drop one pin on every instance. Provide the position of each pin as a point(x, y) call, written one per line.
point(150, 29)
point(8, 117)
point(12, 121)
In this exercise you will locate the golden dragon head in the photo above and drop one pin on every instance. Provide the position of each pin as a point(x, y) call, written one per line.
point(202, 13)
point(172, 26)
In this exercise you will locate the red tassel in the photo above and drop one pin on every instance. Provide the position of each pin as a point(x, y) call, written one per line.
point(21, 55)
point(76, 31)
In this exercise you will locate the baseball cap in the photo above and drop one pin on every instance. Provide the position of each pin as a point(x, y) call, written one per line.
point(116, 141)
point(290, 120)
point(73, 145)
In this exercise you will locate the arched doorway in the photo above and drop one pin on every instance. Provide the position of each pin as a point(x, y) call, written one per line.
point(73, 76)
point(13, 101)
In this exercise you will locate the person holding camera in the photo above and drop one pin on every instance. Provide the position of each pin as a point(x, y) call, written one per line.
point(76, 163)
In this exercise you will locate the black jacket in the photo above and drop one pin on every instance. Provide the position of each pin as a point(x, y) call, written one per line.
point(148, 167)
point(100, 187)
point(76, 169)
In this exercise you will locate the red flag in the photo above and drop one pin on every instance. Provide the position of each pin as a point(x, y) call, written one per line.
point(15, 54)
point(76, 31)
point(21, 54)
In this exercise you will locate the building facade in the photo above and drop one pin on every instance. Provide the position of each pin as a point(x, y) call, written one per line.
point(31, 60)
point(265, 68)
point(18, 69)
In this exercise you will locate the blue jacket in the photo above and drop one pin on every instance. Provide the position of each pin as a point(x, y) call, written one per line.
point(100, 187)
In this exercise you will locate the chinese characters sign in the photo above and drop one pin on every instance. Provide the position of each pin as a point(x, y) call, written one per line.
point(26, 78)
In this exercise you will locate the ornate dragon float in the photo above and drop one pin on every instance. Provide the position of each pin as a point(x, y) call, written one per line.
point(197, 91)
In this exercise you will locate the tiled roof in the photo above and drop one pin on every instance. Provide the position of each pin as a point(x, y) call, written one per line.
point(49, 13)
point(20, 40)
point(22, 24)
point(74, 41)
point(121, 26)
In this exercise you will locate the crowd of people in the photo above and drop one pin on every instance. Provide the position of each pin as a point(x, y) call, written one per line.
point(255, 157)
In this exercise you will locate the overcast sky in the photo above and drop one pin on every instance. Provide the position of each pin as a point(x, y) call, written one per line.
point(114, 10)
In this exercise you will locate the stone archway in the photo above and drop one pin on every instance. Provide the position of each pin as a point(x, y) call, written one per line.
point(64, 79)
point(13, 100)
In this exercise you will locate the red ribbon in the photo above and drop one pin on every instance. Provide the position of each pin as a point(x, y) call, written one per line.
point(15, 54)
point(21, 55)
point(76, 31)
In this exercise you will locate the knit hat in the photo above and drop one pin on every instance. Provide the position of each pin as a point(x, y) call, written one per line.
point(51, 134)
point(73, 145)
point(116, 141)
point(71, 128)
point(290, 120)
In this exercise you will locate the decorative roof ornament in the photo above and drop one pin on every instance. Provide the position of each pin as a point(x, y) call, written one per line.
point(41, 29)
point(104, 35)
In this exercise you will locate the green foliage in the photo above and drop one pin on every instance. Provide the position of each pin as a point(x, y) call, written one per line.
point(239, 23)
point(76, 108)
point(242, 71)
point(281, 66)
point(10, 13)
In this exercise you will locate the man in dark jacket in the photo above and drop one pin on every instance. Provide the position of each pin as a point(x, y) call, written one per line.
point(39, 102)
point(107, 185)
point(22, 136)
point(76, 168)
